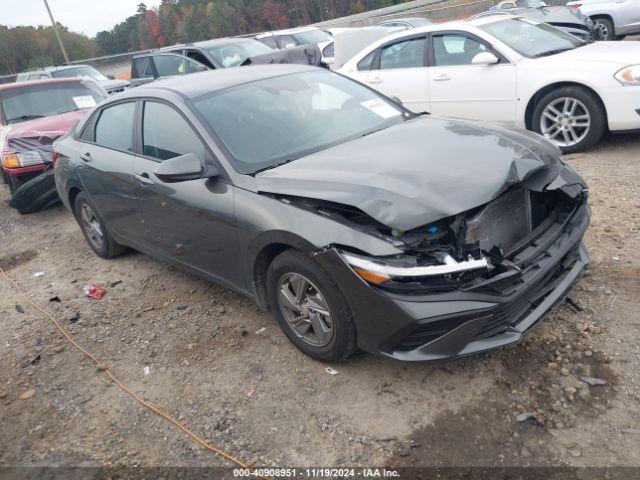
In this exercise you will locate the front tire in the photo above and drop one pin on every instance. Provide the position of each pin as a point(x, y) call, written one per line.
point(310, 308)
point(94, 230)
point(571, 117)
point(605, 29)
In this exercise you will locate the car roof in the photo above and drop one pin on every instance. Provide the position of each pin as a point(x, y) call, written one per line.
point(288, 31)
point(405, 19)
point(201, 83)
point(29, 83)
point(221, 41)
point(63, 67)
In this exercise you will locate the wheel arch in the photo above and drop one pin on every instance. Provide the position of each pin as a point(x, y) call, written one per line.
point(74, 191)
point(535, 98)
point(262, 252)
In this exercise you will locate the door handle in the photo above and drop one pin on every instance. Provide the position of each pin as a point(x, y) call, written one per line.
point(442, 78)
point(86, 157)
point(375, 81)
point(143, 179)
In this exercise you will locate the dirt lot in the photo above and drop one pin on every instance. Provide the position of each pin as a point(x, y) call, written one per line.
point(525, 405)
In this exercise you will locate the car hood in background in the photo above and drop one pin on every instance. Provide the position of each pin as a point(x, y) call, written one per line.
point(558, 14)
point(620, 53)
point(53, 125)
point(110, 85)
point(422, 170)
point(304, 55)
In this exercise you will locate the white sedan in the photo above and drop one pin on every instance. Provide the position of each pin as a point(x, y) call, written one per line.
point(513, 70)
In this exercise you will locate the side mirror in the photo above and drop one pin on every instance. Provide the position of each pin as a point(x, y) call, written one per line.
point(111, 77)
point(485, 58)
point(202, 68)
point(396, 99)
point(183, 168)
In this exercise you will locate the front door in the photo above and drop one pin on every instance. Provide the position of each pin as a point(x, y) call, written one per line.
point(106, 169)
point(191, 222)
point(460, 89)
point(399, 71)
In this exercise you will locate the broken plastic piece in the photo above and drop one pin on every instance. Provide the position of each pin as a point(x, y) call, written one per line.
point(260, 331)
point(38, 274)
point(94, 291)
point(147, 370)
point(331, 371)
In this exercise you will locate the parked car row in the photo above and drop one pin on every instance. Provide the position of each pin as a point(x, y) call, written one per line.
point(513, 70)
point(356, 221)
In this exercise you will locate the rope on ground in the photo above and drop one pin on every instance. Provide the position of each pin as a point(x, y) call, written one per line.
point(102, 367)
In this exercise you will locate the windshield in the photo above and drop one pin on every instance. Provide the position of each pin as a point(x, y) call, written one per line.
point(530, 38)
point(311, 36)
point(233, 54)
point(36, 101)
point(531, 3)
point(269, 122)
point(86, 72)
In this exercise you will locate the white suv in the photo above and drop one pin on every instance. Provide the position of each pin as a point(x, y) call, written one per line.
point(614, 18)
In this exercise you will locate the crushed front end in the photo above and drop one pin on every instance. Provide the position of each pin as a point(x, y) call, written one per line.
point(472, 282)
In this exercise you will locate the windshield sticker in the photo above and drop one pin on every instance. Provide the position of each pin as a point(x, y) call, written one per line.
point(380, 108)
point(84, 101)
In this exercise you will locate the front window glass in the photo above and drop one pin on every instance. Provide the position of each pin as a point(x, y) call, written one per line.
point(115, 126)
point(311, 36)
point(455, 50)
point(35, 101)
point(167, 65)
point(269, 122)
point(531, 38)
point(85, 72)
point(233, 54)
point(406, 54)
point(165, 134)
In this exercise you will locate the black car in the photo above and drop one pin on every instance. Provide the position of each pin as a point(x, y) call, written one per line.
point(359, 223)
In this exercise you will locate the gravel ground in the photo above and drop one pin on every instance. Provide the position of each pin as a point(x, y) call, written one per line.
point(254, 395)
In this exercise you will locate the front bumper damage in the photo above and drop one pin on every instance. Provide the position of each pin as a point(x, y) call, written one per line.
point(446, 325)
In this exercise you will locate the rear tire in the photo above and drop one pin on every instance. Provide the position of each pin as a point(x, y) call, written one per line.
point(605, 29)
point(327, 337)
point(561, 116)
point(94, 230)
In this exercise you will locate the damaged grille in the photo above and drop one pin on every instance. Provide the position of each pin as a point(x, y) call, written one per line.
point(502, 223)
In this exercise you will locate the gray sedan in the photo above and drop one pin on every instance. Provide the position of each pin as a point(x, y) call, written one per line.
point(359, 223)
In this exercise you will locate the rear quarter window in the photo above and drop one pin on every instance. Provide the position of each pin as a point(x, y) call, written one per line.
point(114, 128)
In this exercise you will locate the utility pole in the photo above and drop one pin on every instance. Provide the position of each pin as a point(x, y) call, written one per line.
point(55, 29)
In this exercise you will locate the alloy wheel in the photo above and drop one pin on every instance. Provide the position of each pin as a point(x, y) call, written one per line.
point(565, 121)
point(91, 226)
point(603, 31)
point(305, 309)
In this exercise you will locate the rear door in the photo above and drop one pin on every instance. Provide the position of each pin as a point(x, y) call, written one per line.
point(191, 222)
point(399, 70)
point(627, 16)
point(106, 165)
point(460, 89)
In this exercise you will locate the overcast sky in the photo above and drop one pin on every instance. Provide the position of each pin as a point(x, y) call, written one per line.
point(83, 16)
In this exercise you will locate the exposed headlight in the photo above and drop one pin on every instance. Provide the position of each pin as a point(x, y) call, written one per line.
point(629, 75)
point(383, 272)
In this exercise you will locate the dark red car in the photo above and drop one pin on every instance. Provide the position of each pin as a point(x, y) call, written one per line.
point(33, 115)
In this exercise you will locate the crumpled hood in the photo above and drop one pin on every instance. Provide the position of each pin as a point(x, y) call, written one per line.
point(53, 125)
point(109, 85)
point(422, 170)
point(554, 14)
point(622, 53)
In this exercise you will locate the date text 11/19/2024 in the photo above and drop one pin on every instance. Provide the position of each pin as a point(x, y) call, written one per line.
point(316, 473)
